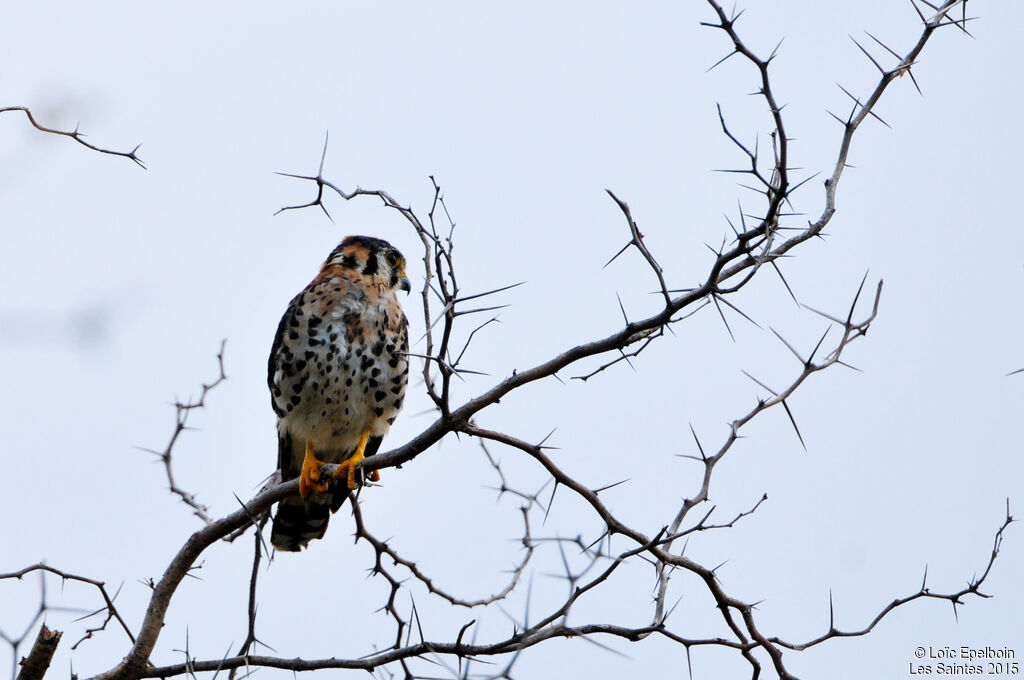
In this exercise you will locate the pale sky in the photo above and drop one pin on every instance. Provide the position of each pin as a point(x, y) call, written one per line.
point(119, 284)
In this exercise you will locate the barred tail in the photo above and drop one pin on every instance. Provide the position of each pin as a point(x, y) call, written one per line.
point(297, 523)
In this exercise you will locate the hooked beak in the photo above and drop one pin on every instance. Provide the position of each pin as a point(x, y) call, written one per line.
point(404, 284)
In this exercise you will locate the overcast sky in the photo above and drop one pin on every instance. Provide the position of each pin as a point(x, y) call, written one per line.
point(118, 285)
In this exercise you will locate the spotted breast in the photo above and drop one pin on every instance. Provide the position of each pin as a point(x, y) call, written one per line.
point(337, 374)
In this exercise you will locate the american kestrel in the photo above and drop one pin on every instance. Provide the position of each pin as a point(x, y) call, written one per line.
point(337, 375)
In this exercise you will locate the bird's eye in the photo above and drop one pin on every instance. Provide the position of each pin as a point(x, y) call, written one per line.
point(392, 259)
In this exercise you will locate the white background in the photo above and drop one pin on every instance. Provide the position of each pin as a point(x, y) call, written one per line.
point(118, 285)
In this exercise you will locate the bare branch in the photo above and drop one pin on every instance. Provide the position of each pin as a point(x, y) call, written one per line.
point(182, 411)
point(762, 235)
point(77, 136)
point(35, 665)
point(108, 600)
point(973, 587)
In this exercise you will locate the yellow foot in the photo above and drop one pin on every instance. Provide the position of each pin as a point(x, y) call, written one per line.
point(309, 480)
point(348, 467)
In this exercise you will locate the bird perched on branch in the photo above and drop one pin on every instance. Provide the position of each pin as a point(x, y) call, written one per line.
point(337, 375)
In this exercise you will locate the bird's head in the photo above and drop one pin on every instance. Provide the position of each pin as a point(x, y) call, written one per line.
point(373, 258)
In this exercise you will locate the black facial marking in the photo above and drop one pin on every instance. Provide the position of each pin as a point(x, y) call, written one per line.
point(371, 264)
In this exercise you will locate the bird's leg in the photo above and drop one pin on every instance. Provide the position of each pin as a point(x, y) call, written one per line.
point(349, 465)
point(309, 480)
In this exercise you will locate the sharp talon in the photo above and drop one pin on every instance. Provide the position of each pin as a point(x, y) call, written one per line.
point(309, 479)
point(348, 466)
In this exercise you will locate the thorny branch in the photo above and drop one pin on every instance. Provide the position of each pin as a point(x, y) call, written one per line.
point(439, 282)
point(108, 609)
point(850, 332)
point(382, 550)
point(549, 627)
point(956, 598)
point(77, 136)
point(446, 341)
point(182, 410)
